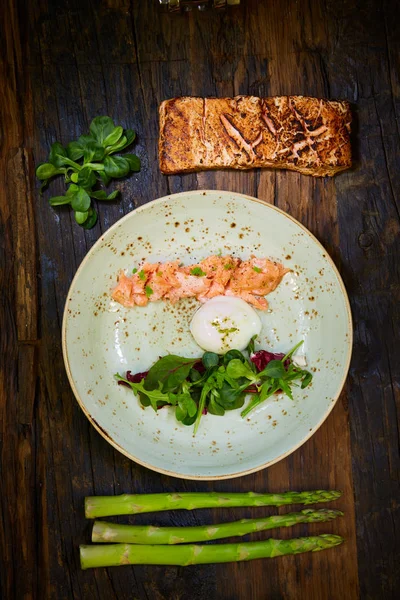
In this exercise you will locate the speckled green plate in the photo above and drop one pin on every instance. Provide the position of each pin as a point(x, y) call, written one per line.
point(101, 337)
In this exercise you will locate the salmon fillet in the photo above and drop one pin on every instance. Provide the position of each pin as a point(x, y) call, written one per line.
point(250, 280)
point(308, 135)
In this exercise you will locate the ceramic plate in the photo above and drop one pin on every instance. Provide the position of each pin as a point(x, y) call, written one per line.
point(101, 337)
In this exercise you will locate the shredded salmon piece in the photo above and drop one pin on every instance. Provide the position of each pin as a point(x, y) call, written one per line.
point(257, 301)
point(220, 270)
point(250, 280)
point(189, 286)
point(259, 276)
point(123, 292)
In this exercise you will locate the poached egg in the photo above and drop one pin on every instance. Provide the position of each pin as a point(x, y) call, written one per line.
point(224, 323)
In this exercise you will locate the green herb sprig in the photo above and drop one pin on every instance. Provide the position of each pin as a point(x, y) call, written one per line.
point(86, 162)
point(226, 380)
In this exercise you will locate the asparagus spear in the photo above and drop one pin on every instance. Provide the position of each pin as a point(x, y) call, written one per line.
point(144, 534)
point(113, 555)
point(127, 504)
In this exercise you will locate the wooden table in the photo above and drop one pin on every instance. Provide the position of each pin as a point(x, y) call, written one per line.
point(63, 64)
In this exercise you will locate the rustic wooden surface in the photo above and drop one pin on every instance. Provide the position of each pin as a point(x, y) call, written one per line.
point(64, 63)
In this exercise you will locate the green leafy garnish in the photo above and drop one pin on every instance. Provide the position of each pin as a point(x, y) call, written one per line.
point(170, 370)
point(215, 383)
point(142, 275)
point(210, 359)
point(148, 291)
point(257, 269)
point(155, 396)
point(277, 376)
point(97, 165)
point(237, 369)
point(251, 345)
point(197, 271)
point(134, 271)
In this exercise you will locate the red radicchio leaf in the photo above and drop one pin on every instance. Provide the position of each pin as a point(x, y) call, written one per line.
point(137, 378)
point(198, 366)
point(262, 357)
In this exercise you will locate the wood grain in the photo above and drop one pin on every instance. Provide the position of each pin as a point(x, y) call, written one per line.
point(64, 63)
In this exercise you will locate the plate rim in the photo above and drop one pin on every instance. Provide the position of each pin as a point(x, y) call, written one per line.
point(104, 433)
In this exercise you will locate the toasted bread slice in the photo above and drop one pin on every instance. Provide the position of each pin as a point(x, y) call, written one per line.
point(309, 135)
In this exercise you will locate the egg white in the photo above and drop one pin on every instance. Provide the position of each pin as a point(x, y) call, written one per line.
point(224, 323)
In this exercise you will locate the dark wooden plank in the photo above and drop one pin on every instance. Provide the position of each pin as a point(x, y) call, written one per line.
point(369, 200)
point(20, 172)
point(18, 318)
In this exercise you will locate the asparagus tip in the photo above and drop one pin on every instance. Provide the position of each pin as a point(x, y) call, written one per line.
point(328, 540)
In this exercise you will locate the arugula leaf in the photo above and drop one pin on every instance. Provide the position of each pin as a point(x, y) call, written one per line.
point(267, 389)
point(307, 378)
point(274, 369)
point(155, 396)
point(251, 345)
point(292, 351)
point(202, 402)
point(284, 386)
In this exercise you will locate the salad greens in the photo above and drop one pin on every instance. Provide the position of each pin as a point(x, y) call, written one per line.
point(216, 383)
point(98, 165)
